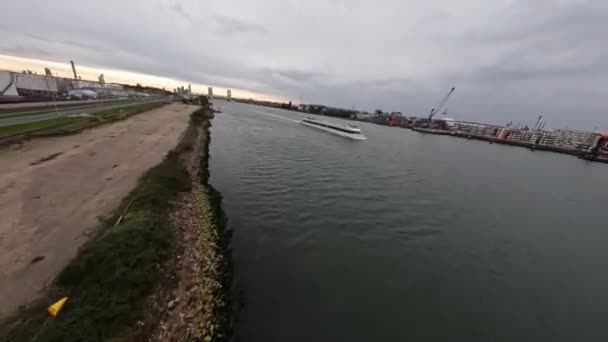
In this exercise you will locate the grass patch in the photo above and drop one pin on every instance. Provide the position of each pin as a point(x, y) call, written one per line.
point(62, 108)
point(46, 108)
point(65, 125)
point(113, 274)
point(72, 127)
point(23, 128)
point(101, 116)
point(123, 112)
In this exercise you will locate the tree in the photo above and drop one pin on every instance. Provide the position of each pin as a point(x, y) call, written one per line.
point(203, 101)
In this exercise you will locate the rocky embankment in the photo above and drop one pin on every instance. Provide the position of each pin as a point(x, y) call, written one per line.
point(198, 307)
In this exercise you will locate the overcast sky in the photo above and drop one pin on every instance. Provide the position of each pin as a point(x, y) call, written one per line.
point(509, 59)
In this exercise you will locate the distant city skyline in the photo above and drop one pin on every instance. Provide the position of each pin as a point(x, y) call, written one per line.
point(111, 75)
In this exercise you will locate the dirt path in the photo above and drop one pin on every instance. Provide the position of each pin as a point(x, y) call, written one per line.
point(53, 191)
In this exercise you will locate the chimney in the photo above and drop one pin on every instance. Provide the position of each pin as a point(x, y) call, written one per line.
point(74, 70)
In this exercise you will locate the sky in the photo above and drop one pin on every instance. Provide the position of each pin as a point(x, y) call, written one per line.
point(510, 60)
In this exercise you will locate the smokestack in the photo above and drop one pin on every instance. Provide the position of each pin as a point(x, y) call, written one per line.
point(74, 70)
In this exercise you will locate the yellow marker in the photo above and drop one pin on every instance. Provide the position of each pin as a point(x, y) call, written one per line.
point(56, 307)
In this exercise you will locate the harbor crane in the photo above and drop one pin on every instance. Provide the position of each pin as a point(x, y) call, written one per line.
point(440, 106)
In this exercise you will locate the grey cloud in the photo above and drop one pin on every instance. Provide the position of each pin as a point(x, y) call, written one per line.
point(77, 44)
point(230, 26)
point(81, 45)
point(84, 45)
point(299, 76)
point(178, 9)
point(549, 19)
point(390, 84)
point(23, 50)
point(514, 73)
point(509, 60)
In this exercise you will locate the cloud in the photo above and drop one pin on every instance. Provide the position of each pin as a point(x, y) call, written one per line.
point(298, 75)
point(230, 26)
point(177, 9)
point(509, 59)
point(67, 42)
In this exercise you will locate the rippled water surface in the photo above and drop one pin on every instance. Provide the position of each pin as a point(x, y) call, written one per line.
point(408, 237)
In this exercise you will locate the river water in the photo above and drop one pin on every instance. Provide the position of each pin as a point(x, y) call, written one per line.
point(406, 236)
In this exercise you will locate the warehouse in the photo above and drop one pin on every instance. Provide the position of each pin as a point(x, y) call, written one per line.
point(8, 88)
point(33, 87)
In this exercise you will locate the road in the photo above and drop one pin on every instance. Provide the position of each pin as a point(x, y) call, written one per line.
point(53, 192)
point(55, 114)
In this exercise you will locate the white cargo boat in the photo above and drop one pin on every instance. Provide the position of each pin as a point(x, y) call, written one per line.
point(347, 131)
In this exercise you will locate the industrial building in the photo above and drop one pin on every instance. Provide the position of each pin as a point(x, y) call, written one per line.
point(566, 140)
point(14, 86)
point(602, 152)
point(28, 86)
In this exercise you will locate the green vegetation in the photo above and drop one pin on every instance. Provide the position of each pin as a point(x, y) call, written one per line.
point(201, 115)
point(124, 112)
point(21, 111)
point(147, 89)
point(65, 125)
point(72, 127)
point(7, 131)
point(204, 102)
point(60, 109)
point(118, 278)
point(113, 275)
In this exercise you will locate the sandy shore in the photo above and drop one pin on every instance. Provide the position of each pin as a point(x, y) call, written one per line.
point(53, 191)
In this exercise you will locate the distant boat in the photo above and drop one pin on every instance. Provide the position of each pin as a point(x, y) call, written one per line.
point(347, 131)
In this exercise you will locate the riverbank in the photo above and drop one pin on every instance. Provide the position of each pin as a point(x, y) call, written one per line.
point(492, 140)
point(199, 307)
point(156, 269)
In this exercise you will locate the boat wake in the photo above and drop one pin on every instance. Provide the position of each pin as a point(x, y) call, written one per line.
point(278, 117)
point(347, 131)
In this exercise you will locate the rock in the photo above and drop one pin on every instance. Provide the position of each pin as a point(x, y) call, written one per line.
point(172, 304)
point(37, 259)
